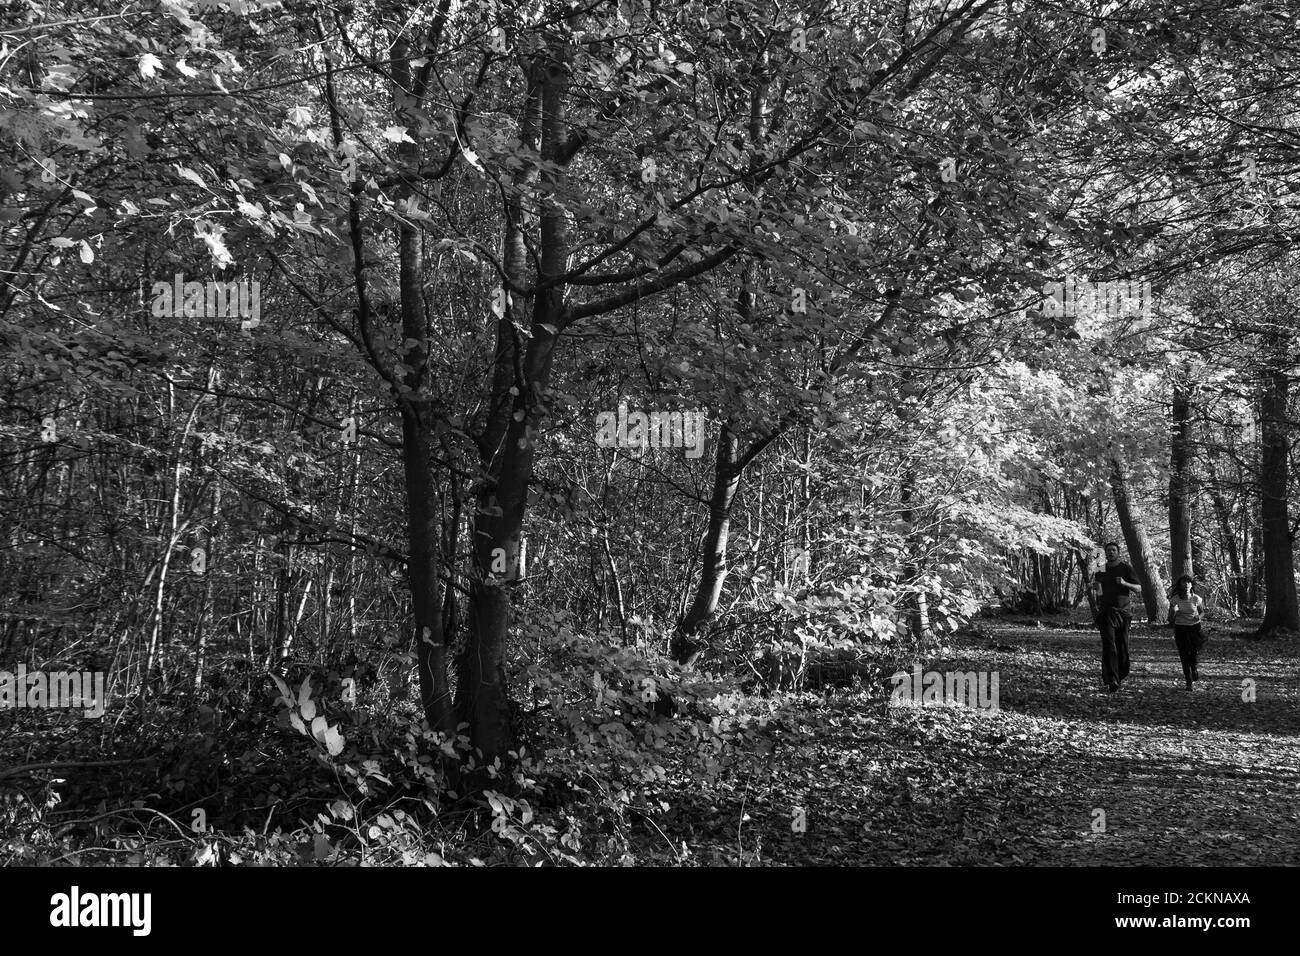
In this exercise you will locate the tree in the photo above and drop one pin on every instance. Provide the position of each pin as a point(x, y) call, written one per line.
point(1180, 481)
point(1281, 611)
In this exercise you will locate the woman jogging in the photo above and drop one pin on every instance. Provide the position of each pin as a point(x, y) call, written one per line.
point(1185, 616)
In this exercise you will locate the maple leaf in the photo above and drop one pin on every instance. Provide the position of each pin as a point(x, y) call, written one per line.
point(149, 65)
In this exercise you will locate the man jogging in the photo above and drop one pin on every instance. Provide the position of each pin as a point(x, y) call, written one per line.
point(1112, 586)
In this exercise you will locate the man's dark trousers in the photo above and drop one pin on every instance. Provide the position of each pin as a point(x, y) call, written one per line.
point(1113, 623)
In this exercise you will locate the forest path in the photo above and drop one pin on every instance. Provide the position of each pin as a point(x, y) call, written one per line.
point(1183, 778)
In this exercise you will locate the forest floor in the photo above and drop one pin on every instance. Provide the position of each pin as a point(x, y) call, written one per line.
point(1204, 777)
point(1059, 772)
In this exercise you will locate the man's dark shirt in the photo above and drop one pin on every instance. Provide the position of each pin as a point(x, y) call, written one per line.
point(1112, 594)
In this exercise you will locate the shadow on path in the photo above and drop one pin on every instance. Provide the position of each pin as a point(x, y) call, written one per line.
point(1063, 773)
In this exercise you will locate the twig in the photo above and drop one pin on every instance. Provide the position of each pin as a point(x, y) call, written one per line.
point(60, 765)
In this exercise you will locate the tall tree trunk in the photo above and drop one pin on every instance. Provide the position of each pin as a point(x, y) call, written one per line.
point(415, 400)
point(450, 561)
point(1228, 541)
point(1180, 479)
point(408, 378)
point(275, 652)
point(1139, 545)
point(727, 466)
point(517, 408)
point(918, 610)
point(615, 582)
point(206, 611)
point(1255, 580)
point(171, 533)
point(350, 582)
point(422, 530)
point(713, 571)
point(1281, 611)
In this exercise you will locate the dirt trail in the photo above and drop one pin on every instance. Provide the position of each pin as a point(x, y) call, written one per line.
point(1199, 778)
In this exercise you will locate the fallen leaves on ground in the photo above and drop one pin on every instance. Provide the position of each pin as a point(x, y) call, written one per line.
point(1205, 777)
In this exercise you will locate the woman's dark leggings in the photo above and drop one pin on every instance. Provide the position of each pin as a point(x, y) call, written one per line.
point(1189, 639)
